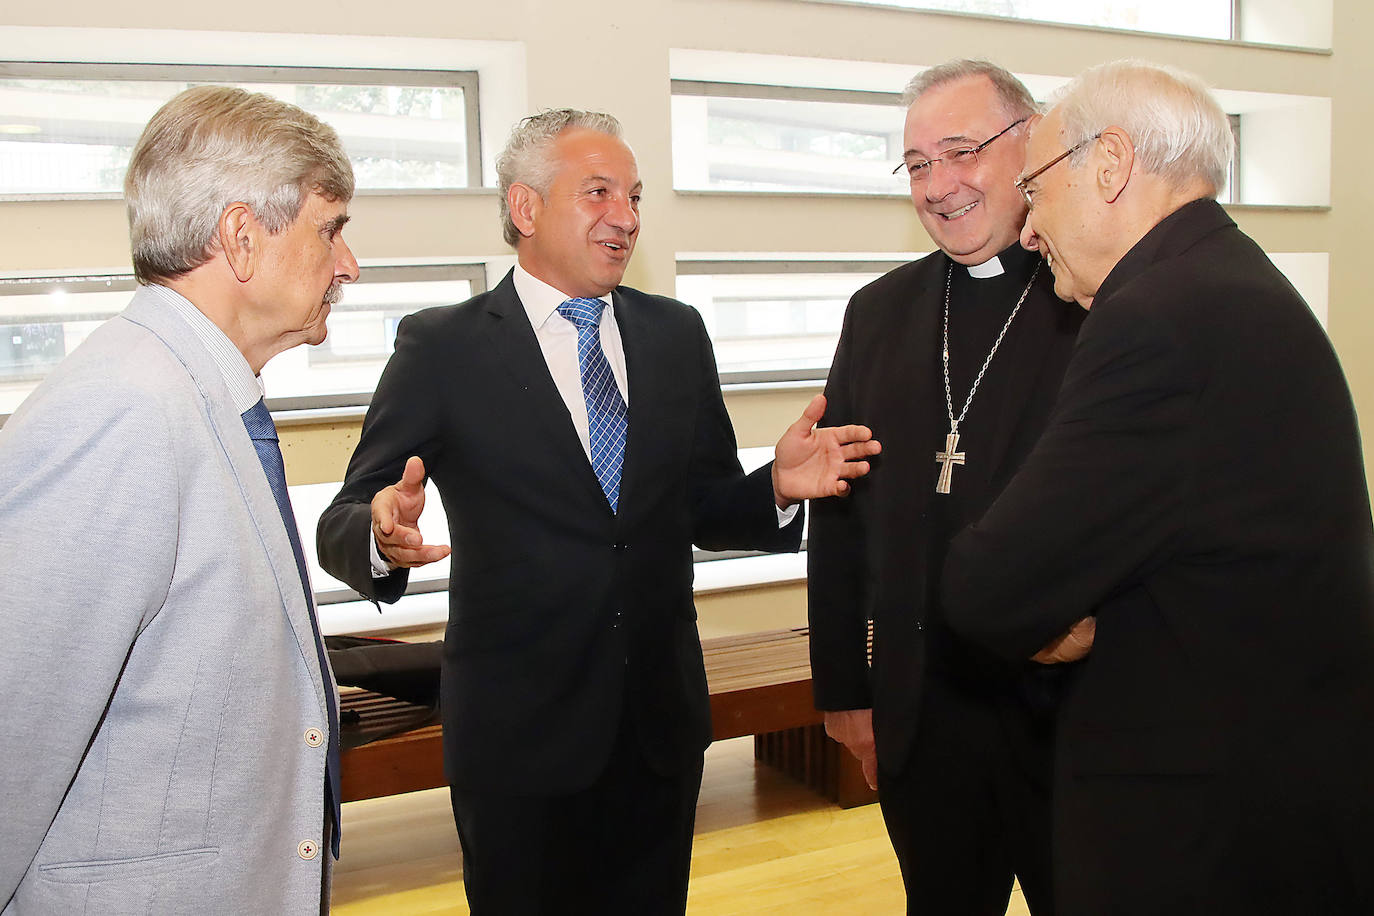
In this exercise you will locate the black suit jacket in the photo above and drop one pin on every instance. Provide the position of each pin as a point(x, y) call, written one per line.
point(869, 555)
point(560, 612)
point(1200, 486)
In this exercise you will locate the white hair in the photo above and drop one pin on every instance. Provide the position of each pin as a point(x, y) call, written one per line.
point(1180, 132)
point(209, 147)
point(528, 157)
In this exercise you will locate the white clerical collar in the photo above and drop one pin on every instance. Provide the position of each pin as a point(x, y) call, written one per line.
point(990, 268)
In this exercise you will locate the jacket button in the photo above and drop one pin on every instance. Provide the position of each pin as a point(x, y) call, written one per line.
point(308, 849)
point(314, 737)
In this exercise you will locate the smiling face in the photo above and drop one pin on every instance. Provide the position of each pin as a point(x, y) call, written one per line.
point(579, 236)
point(971, 213)
point(1066, 223)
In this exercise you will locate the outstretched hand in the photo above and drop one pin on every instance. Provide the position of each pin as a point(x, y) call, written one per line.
point(1075, 643)
point(814, 462)
point(396, 520)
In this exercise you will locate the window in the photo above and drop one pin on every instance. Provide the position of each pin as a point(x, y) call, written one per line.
point(751, 138)
point(1281, 22)
point(1283, 148)
point(1199, 18)
point(777, 318)
point(742, 137)
point(70, 128)
point(774, 319)
point(343, 371)
point(43, 318)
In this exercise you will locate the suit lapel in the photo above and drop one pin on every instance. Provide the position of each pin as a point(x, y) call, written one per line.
point(517, 350)
point(647, 391)
point(261, 506)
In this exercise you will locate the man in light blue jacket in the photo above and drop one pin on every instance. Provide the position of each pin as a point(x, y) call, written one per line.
point(169, 721)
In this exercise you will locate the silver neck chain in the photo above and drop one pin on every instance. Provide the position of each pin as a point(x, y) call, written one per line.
point(949, 399)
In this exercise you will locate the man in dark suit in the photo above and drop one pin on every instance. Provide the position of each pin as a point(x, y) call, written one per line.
point(963, 739)
point(1200, 490)
point(580, 451)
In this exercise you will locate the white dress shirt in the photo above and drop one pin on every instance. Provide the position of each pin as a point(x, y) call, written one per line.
point(557, 337)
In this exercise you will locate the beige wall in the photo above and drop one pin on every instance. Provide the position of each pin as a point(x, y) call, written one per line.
point(589, 55)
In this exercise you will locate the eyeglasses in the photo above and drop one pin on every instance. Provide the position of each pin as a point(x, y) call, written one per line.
point(1027, 179)
point(961, 158)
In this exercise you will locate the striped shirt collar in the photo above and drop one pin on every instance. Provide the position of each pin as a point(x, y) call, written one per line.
point(245, 388)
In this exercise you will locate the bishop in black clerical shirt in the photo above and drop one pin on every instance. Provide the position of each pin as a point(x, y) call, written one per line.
point(964, 739)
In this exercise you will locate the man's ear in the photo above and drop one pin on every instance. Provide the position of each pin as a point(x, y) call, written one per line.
point(239, 234)
point(1115, 157)
point(525, 206)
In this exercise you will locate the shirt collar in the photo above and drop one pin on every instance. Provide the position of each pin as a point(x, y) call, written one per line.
point(245, 388)
point(539, 298)
point(1012, 260)
point(992, 267)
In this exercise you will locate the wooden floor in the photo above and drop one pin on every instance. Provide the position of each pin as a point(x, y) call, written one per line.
point(764, 845)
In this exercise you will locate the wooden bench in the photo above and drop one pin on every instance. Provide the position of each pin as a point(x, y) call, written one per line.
point(760, 685)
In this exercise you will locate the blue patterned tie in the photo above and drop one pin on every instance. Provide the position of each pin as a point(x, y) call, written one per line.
point(605, 407)
point(263, 432)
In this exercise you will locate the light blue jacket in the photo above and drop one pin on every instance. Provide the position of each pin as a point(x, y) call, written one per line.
point(159, 686)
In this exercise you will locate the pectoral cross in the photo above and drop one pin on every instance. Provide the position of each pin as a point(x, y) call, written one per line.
point(948, 459)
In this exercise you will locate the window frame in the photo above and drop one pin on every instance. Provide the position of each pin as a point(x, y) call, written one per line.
point(741, 90)
point(1235, 33)
point(735, 90)
point(474, 272)
point(467, 80)
point(693, 88)
point(708, 266)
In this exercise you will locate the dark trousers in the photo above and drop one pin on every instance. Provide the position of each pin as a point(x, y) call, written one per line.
point(621, 846)
point(971, 809)
point(1285, 832)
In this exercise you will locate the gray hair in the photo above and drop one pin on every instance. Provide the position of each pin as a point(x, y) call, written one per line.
point(1017, 102)
point(528, 156)
point(1180, 132)
point(212, 146)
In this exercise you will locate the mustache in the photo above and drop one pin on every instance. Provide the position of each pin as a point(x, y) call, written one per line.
point(334, 293)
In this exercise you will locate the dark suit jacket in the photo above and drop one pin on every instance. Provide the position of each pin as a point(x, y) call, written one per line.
point(560, 612)
point(869, 555)
point(1200, 485)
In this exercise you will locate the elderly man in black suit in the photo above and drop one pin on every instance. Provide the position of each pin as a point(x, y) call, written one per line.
point(577, 435)
point(1200, 491)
